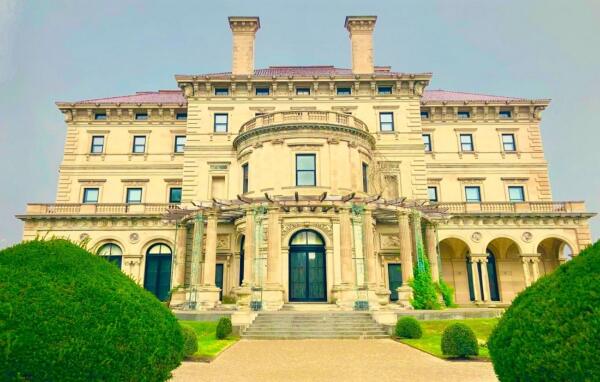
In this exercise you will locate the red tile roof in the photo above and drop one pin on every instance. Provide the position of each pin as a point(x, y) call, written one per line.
point(161, 96)
point(306, 71)
point(439, 95)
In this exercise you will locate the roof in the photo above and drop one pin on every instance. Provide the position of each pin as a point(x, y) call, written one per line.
point(306, 71)
point(440, 95)
point(149, 97)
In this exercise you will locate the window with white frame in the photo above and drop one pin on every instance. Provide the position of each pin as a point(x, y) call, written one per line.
point(179, 143)
point(306, 170)
point(139, 144)
point(97, 144)
point(221, 123)
point(508, 142)
point(466, 142)
point(427, 142)
point(386, 121)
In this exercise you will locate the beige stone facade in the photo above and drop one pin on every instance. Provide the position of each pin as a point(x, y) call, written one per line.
point(214, 187)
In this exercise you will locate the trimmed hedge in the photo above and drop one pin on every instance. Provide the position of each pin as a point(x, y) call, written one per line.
point(224, 328)
point(190, 341)
point(551, 332)
point(458, 340)
point(408, 327)
point(68, 315)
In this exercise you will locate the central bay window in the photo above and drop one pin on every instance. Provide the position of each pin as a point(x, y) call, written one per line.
point(508, 142)
point(306, 170)
point(473, 194)
point(97, 144)
point(427, 142)
point(386, 121)
point(245, 178)
point(221, 121)
point(134, 196)
point(466, 142)
point(139, 144)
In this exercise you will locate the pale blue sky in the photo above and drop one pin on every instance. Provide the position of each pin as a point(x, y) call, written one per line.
point(70, 50)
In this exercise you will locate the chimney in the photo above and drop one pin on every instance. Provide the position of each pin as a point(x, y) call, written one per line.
point(243, 30)
point(361, 38)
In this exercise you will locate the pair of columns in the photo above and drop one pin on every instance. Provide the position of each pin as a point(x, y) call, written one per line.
point(531, 268)
point(479, 261)
point(406, 248)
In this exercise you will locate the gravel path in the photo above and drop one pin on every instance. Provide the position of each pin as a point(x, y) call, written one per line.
point(330, 360)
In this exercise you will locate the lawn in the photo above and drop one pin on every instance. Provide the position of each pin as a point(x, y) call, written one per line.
point(432, 335)
point(208, 344)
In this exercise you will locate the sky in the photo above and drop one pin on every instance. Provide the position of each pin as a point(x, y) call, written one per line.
point(70, 50)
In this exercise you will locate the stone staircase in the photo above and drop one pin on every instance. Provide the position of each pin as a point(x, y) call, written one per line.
point(290, 324)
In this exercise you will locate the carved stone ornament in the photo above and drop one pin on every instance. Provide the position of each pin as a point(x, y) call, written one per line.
point(527, 236)
point(326, 228)
point(84, 236)
point(68, 115)
point(223, 241)
point(134, 237)
point(476, 237)
point(390, 241)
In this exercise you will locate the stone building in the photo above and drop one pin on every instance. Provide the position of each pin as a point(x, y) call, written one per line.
point(311, 183)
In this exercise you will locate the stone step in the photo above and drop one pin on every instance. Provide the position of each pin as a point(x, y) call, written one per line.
point(315, 332)
point(343, 326)
point(314, 336)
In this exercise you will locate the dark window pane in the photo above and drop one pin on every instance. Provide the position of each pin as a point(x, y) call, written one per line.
point(90, 195)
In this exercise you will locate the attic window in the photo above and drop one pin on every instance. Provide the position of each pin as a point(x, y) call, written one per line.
point(100, 116)
point(384, 90)
point(262, 91)
point(141, 116)
point(221, 91)
point(302, 91)
point(505, 114)
point(181, 116)
point(424, 114)
point(344, 91)
point(464, 115)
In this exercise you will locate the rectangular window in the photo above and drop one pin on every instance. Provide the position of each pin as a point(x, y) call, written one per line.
point(464, 115)
point(97, 144)
point(245, 178)
point(100, 116)
point(306, 172)
point(386, 121)
point(516, 193)
point(427, 142)
point(179, 143)
point(302, 91)
point(384, 90)
point(221, 91)
point(181, 116)
point(508, 142)
point(175, 195)
point(505, 114)
point(432, 193)
point(466, 142)
point(473, 194)
point(134, 195)
point(344, 91)
point(139, 144)
point(90, 195)
point(221, 123)
point(424, 115)
point(141, 116)
point(365, 177)
point(262, 91)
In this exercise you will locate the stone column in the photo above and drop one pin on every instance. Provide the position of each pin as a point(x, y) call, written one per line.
point(526, 274)
point(244, 292)
point(432, 255)
point(197, 247)
point(273, 291)
point(485, 280)
point(346, 247)
point(180, 242)
point(405, 291)
point(208, 293)
point(535, 267)
point(369, 249)
point(475, 279)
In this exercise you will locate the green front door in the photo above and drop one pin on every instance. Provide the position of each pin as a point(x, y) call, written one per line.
point(394, 280)
point(307, 274)
point(158, 275)
point(219, 279)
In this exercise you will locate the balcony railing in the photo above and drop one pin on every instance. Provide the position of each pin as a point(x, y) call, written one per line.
point(98, 209)
point(283, 117)
point(512, 207)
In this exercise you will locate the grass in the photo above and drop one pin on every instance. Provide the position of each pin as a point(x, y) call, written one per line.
point(432, 335)
point(208, 344)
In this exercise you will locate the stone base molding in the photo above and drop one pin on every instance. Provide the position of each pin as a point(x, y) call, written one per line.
point(405, 294)
point(272, 297)
point(207, 297)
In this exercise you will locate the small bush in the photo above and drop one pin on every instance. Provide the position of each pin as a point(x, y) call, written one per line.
point(551, 331)
point(190, 341)
point(408, 327)
point(224, 328)
point(68, 315)
point(459, 341)
point(229, 299)
point(447, 293)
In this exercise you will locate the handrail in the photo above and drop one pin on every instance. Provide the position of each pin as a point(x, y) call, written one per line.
point(304, 116)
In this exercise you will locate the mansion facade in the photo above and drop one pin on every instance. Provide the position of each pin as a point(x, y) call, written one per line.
point(311, 184)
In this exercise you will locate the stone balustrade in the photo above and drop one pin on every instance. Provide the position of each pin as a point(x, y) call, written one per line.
point(313, 116)
point(99, 208)
point(512, 207)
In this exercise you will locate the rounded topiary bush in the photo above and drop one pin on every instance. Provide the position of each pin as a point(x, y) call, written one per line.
point(68, 315)
point(190, 341)
point(458, 340)
point(224, 327)
point(551, 331)
point(408, 327)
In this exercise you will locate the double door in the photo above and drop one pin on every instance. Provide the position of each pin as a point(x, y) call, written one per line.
point(307, 274)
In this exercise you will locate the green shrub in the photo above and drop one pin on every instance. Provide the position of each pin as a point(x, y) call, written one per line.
point(447, 293)
point(551, 331)
point(68, 315)
point(458, 340)
point(408, 327)
point(224, 328)
point(424, 291)
point(190, 341)
point(229, 299)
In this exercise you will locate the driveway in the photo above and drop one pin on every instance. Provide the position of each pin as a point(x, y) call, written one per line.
point(330, 360)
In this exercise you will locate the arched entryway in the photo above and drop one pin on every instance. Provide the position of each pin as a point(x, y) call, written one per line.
point(157, 277)
point(112, 253)
point(453, 252)
point(553, 251)
point(307, 277)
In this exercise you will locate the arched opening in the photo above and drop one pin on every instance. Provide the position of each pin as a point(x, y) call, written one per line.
point(553, 251)
point(112, 253)
point(492, 273)
point(453, 252)
point(504, 258)
point(241, 267)
point(307, 278)
point(157, 277)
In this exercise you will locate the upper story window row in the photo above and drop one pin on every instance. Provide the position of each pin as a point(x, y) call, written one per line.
point(300, 89)
point(133, 195)
point(473, 193)
point(453, 113)
point(138, 145)
point(467, 143)
point(140, 115)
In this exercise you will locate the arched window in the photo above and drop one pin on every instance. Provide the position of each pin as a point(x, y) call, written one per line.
point(157, 277)
point(111, 252)
point(306, 237)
